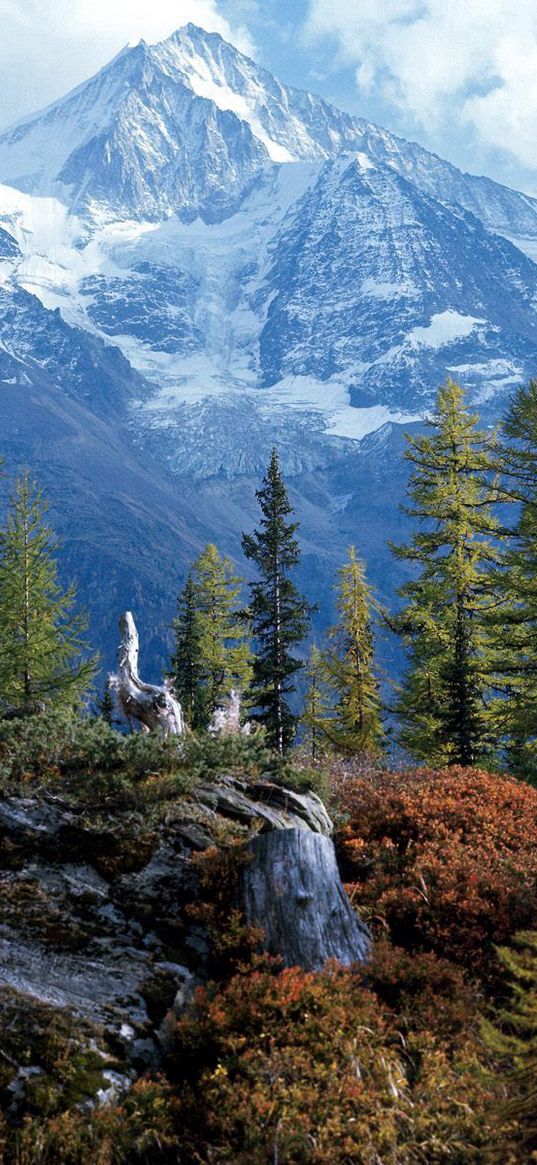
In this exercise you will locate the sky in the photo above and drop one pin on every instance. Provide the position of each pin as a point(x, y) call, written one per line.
point(459, 76)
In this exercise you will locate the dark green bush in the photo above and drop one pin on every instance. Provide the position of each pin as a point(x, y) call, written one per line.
point(85, 760)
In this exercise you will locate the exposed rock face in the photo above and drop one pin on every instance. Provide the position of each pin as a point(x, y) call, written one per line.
point(71, 934)
point(263, 801)
point(96, 917)
point(293, 889)
point(96, 925)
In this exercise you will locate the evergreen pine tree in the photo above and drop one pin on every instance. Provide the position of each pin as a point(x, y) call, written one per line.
point(517, 632)
point(446, 623)
point(348, 667)
point(316, 705)
point(43, 656)
point(185, 672)
point(513, 1039)
point(212, 652)
point(280, 616)
point(105, 706)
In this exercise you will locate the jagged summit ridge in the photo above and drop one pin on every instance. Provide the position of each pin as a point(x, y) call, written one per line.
point(184, 126)
point(189, 125)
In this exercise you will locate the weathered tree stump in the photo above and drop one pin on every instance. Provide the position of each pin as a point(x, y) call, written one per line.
point(154, 707)
point(292, 889)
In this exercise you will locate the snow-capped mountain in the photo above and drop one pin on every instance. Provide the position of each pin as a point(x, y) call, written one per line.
point(181, 127)
point(185, 126)
point(209, 262)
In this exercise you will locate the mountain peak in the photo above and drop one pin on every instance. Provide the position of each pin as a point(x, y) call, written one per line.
point(196, 32)
point(190, 125)
point(183, 126)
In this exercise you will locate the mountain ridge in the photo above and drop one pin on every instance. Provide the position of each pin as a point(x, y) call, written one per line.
point(203, 301)
point(186, 55)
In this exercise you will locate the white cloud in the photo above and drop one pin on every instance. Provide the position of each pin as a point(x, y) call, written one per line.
point(475, 60)
point(48, 46)
point(134, 19)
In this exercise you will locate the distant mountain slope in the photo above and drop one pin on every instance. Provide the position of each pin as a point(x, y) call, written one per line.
point(380, 285)
point(198, 262)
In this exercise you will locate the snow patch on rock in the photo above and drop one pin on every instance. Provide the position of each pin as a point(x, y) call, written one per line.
point(445, 326)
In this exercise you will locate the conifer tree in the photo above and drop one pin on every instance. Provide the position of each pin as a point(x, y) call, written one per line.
point(105, 706)
point(348, 667)
point(280, 616)
point(186, 671)
point(43, 655)
point(513, 1038)
point(316, 705)
point(446, 622)
point(212, 651)
point(517, 632)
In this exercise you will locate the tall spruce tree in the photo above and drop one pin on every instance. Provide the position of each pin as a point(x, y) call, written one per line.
point(446, 622)
point(43, 654)
point(185, 670)
point(355, 724)
point(517, 631)
point(279, 614)
point(212, 651)
point(317, 705)
point(105, 705)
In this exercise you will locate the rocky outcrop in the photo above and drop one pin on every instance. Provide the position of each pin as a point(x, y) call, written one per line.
point(96, 919)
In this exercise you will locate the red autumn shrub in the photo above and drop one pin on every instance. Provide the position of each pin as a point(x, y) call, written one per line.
point(442, 861)
point(310, 1068)
point(425, 993)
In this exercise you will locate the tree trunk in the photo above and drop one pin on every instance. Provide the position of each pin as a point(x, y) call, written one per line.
point(292, 889)
point(155, 708)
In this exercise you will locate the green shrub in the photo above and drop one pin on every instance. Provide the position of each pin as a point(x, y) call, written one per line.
point(137, 1131)
point(85, 760)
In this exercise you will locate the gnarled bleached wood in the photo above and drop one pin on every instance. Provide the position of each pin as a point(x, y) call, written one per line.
point(292, 889)
point(226, 719)
point(155, 707)
point(274, 807)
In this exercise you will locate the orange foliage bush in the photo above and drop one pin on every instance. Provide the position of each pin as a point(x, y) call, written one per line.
point(441, 861)
point(425, 993)
point(309, 1068)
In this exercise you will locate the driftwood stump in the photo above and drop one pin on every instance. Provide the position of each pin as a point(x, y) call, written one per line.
point(154, 707)
point(293, 890)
